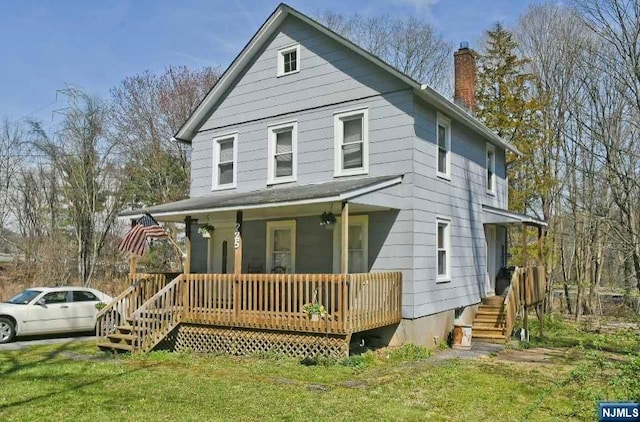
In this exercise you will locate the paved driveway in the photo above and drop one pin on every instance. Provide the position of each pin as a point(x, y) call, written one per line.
point(22, 342)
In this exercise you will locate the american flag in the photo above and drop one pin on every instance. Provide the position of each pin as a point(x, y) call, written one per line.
point(135, 240)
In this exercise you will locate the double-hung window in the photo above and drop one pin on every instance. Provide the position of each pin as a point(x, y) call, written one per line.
point(289, 60)
point(225, 160)
point(443, 245)
point(351, 135)
point(283, 161)
point(443, 134)
point(281, 246)
point(490, 180)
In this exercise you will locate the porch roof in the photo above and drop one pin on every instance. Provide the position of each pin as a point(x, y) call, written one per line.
point(492, 215)
point(276, 196)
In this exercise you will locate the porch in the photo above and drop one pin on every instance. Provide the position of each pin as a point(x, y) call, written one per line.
point(248, 313)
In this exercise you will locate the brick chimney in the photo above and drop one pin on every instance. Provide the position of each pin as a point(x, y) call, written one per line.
point(464, 63)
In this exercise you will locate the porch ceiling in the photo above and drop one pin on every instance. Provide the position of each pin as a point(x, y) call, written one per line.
point(272, 202)
point(491, 215)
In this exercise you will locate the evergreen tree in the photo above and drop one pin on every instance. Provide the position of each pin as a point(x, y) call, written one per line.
point(507, 105)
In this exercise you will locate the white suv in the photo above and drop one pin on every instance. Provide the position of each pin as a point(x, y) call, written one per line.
point(48, 310)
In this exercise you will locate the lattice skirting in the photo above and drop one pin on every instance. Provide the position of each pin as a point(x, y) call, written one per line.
point(242, 341)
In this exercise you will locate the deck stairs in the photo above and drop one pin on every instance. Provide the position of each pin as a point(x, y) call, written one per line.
point(490, 323)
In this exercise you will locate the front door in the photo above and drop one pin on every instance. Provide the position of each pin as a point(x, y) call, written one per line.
point(492, 271)
point(221, 252)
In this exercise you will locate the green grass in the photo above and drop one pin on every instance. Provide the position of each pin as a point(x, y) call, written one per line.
point(74, 382)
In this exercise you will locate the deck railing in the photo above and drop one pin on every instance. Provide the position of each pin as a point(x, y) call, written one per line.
point(142, 287)
point(353, 302)
point(527, 288)
point(155, 318)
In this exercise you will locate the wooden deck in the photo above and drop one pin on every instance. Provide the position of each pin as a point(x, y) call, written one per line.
point(262, 302)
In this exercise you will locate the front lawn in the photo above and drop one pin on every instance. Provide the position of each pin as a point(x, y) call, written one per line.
point(78, 383)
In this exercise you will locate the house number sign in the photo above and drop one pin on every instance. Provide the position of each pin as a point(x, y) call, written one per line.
point(236, 237)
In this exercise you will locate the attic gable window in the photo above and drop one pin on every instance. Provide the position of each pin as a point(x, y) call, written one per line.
point(289, 60)
point(351, 137)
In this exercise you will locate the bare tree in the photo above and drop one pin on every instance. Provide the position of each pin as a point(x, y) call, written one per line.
point(82, 159)
point(12, 150)
point(411, 45)
point(147, 110)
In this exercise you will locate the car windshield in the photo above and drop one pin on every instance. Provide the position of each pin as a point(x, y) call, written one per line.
point(24, 297)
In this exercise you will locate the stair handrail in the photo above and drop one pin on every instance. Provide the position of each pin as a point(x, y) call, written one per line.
point(512, 301)
point(125, 303)
point(151, 323)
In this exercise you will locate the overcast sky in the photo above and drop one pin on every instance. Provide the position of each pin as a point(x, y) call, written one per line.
point(95, 44)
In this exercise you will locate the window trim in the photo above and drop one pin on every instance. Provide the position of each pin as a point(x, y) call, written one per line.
point(281, 52)
point(446, 123)
point(280, 224)
point(338, 140)
point(271, 168)
point(337, 237)
point(491, 190)
point(216, 158)
point(444, 278)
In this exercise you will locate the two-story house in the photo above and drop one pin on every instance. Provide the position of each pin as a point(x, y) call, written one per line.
point(324, 175)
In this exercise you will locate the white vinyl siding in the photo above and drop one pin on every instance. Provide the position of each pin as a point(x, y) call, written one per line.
point(283, 152)
point(289, 60)
point(225, 159)
point(351, 136)
point(443, 141)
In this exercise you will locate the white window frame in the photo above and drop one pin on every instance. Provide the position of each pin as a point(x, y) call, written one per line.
point(281, 224)
point(216, 157)
point(271, 167)
point(446, 123)
point(443, 278)
point(490, 184)
point(338, 136)
point(354, 220)
point(281, 53)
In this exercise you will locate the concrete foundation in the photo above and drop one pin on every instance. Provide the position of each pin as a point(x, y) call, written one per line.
point(428, 331)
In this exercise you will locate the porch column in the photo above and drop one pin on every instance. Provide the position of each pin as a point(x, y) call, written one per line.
point(133, 261)
point(187, 244)
point(237, 244)
point(344, 241)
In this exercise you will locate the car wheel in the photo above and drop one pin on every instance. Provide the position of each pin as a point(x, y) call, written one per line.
point(7, 330)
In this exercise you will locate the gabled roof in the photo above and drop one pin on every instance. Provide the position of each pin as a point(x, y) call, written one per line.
point(188, 130)
point(334, 191)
